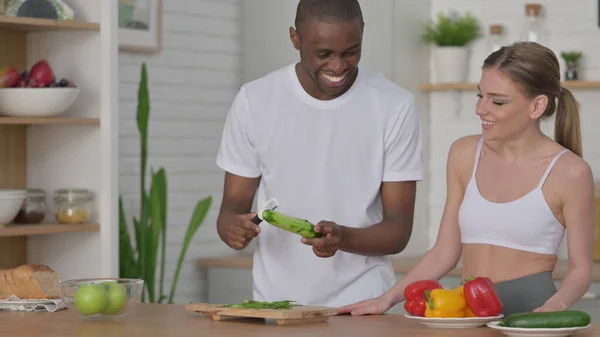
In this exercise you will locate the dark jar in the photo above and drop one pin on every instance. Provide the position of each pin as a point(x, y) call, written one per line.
point(33, 210)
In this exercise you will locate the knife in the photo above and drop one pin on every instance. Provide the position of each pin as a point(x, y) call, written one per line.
point(271, 204)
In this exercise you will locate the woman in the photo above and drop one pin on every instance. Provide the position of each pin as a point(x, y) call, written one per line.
point(512, 192)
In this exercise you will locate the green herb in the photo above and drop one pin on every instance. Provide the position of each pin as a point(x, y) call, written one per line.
point(251, 304)
point(452, 29)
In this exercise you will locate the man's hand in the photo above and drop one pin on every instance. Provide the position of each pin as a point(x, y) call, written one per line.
point(240, 231)
point(329, 243)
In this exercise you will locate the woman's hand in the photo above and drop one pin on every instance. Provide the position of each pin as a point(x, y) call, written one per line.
point(374, 306)
point(551, 305)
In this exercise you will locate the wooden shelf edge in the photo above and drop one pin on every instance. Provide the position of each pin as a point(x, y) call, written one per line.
point(473, 86)
point(12, 230)
point(48, 121)
point(37, 24)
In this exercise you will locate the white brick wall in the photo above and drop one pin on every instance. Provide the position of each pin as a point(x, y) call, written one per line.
point(192, 82)
point(576, 28)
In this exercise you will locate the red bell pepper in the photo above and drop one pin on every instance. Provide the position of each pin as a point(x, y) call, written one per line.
point(481, 297)
point(414, 296)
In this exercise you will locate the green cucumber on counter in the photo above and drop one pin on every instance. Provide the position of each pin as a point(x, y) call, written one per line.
point(291, 224)
point(552, 320)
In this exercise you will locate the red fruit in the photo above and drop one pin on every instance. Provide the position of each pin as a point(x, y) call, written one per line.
point(9, 77)
point(42, 72)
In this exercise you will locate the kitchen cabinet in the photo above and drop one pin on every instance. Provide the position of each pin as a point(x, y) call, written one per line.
point(75, 150)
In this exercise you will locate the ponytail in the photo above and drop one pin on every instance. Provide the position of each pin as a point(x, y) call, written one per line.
point(567, 128)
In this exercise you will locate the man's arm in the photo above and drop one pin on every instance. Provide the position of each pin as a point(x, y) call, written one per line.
point(391, 235)
point(238, 195)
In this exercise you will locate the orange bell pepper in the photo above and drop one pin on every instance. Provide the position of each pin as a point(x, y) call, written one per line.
point(444, 303)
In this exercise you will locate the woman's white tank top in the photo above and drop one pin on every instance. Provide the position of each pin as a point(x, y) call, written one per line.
point(526, 223)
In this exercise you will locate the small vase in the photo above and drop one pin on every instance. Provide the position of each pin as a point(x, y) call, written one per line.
point(571, 74)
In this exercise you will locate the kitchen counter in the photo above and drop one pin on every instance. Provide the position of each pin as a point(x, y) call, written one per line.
point(402, 265)
point(163, 320)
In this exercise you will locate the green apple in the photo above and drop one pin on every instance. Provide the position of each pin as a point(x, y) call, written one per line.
point(90, 299)
point(115, 294)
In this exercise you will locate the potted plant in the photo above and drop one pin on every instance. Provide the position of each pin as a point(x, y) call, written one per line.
point(150, 227)
point(451, 35)
point(572, 62)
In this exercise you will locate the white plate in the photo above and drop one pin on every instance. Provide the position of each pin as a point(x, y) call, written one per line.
point(549, 332)
point(465, 322)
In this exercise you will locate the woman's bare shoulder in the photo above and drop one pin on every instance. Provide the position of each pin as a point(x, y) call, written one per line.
point(572, 169)
point(464, 148)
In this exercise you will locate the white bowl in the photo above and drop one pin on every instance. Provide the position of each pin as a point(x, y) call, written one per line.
point(10, 204)
point(36, 102)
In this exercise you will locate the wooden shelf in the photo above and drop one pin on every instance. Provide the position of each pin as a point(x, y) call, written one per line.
point(45, 229)
point(37, 24)
point(48, 121)
point(473, 86)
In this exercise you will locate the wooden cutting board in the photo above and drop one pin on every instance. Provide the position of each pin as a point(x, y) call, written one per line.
point(294, 315)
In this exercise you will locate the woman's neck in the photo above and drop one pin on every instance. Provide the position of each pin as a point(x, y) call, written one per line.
point(521, 146)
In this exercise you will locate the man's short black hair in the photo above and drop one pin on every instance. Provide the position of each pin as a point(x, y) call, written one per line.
point(327, 10)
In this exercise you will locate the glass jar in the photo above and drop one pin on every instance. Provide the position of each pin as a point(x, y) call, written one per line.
point(534, 29)
point(73, 206)
point(496, 38)
point(33, 210)
point(597, 219)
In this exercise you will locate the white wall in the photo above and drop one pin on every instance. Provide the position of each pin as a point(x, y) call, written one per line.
point(191, 82)
point(571, 26)
point(391, 47)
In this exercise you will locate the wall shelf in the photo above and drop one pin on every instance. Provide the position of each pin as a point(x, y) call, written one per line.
point(45, 229)
point(473, 86)
point(48, 121)
point(36, 24)
point(69, 150)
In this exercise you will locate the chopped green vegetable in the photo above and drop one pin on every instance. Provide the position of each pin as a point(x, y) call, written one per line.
point(299, 226)
point(251, 304)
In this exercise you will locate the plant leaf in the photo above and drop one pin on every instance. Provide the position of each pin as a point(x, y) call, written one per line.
point(127, 263)
point(198, 217)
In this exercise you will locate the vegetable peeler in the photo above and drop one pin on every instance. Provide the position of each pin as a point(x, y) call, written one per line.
point(271, 204)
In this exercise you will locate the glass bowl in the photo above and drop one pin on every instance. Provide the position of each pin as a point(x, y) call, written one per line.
point(101, 298)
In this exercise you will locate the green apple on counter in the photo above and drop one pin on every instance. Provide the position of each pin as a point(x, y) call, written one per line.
point(106, 298)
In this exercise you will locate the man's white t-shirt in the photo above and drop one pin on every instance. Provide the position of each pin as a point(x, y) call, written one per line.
point(322, 160)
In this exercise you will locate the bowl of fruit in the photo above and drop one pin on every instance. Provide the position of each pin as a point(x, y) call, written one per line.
point(35, 92)
point(101, 298)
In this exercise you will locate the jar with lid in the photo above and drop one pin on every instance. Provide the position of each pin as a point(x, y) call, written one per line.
point(33, 210)
point(533, 28)
point(496, 39)
point(73, 206)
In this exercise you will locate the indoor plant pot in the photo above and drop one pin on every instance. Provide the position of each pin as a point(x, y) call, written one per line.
point(450, 36)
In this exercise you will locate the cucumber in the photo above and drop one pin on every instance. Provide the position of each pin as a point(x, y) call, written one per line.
point(291, 224)
point(555, 319)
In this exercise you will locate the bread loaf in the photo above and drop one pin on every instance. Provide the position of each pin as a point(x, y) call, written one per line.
point(29, 282)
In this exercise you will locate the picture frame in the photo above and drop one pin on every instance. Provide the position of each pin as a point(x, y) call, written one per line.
point(140, 26)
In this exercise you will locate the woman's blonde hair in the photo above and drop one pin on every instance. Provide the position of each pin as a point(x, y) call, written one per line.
point(535, 69)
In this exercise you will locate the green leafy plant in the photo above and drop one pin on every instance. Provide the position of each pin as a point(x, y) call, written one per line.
point(452, 29)
point(571, 56)
point(150, 227)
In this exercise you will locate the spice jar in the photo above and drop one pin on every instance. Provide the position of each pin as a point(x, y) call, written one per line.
point(33, 210)
point(73, 206)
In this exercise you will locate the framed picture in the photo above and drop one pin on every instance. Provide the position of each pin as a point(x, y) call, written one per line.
point(140, 25)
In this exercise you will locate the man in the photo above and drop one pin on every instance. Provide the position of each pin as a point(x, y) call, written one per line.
point(334, 145)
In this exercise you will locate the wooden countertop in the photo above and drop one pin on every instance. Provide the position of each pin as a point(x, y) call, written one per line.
point(150, 320)
point(401, 265)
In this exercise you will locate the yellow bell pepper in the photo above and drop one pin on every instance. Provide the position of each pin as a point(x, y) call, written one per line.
point(467, 311)
point(444, 303)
